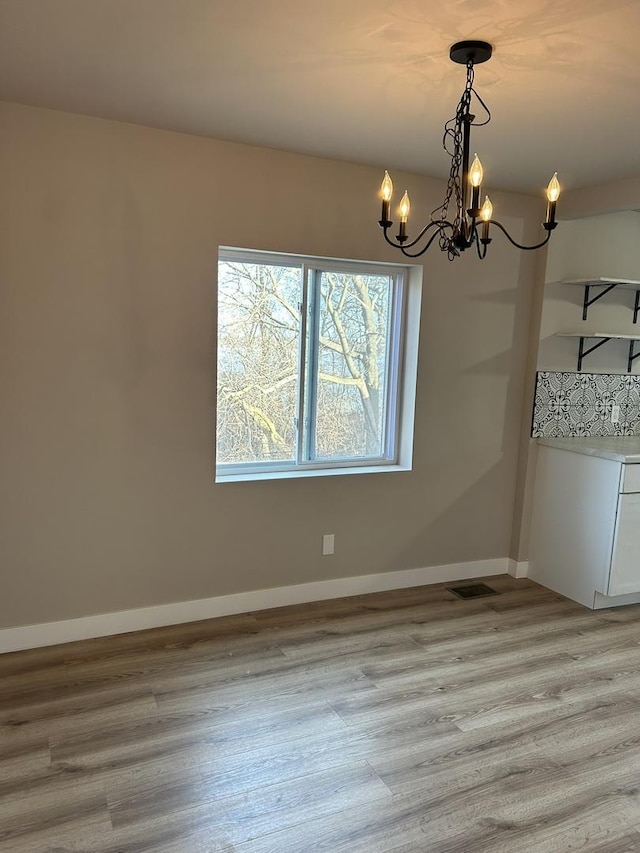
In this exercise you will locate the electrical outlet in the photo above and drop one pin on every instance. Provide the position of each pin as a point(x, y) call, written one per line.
point(615, 414)
point(328, 541)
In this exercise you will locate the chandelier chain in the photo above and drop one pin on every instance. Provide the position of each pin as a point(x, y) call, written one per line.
point(453, 131)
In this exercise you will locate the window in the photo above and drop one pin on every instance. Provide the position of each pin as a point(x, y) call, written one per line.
point(310, 355)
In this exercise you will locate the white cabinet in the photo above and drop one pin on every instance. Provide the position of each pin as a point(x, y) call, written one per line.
point(624, 576)
point(585, 531)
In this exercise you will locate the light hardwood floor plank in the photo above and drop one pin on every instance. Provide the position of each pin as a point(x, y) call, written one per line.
point(398, 722)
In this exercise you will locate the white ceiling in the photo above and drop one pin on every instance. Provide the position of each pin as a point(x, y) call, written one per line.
point(366, 80)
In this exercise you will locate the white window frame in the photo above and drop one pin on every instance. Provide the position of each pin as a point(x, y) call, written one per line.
point(399, 382)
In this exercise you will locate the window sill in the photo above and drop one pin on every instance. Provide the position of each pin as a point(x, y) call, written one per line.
point(310, 472)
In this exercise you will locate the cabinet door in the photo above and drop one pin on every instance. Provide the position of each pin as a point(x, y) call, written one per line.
point(625, 565)
point(630, 478)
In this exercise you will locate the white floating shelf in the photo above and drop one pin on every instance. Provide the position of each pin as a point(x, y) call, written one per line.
point(604, 285)
point(603, 282)
point(605, 335)
point(602, 338)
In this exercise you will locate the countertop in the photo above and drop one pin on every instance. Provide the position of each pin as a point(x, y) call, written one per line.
point(619, 448)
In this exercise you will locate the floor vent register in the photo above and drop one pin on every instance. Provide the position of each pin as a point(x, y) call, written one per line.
point(472, 590)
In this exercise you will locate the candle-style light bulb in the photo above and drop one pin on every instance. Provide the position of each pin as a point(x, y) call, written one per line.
point(386, 191)
point(403, 210)
point(405, 207)
point(476, 172)
point(485, 214)
point(475, 179)
point(386, 188)
point(553, 189)
point(553, 193)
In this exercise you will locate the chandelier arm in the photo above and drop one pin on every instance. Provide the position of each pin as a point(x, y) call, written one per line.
point(484, 107)
point(473, 229)
point(519, 245)
point(425, 247)
point(389, 240)
point(439, 225)
point(482, 252)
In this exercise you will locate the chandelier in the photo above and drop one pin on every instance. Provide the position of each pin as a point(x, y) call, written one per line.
point(471, 222)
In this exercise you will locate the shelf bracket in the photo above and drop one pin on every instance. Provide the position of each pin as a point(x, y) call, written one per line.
point(588, 302)
point(636, 309)
point(582, 352)
point(632, 355)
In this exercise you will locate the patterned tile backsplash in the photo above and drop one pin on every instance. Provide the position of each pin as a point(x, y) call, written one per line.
point(572, 404)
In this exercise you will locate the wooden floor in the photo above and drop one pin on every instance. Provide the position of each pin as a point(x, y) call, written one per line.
point(391, 723)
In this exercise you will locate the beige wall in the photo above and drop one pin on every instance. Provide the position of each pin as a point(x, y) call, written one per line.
point(599, 199)
point(592, 247)
point(109, 237)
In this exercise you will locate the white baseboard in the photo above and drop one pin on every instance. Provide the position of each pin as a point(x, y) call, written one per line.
point(600, 601)
point(105, 624)
point(517, 570)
